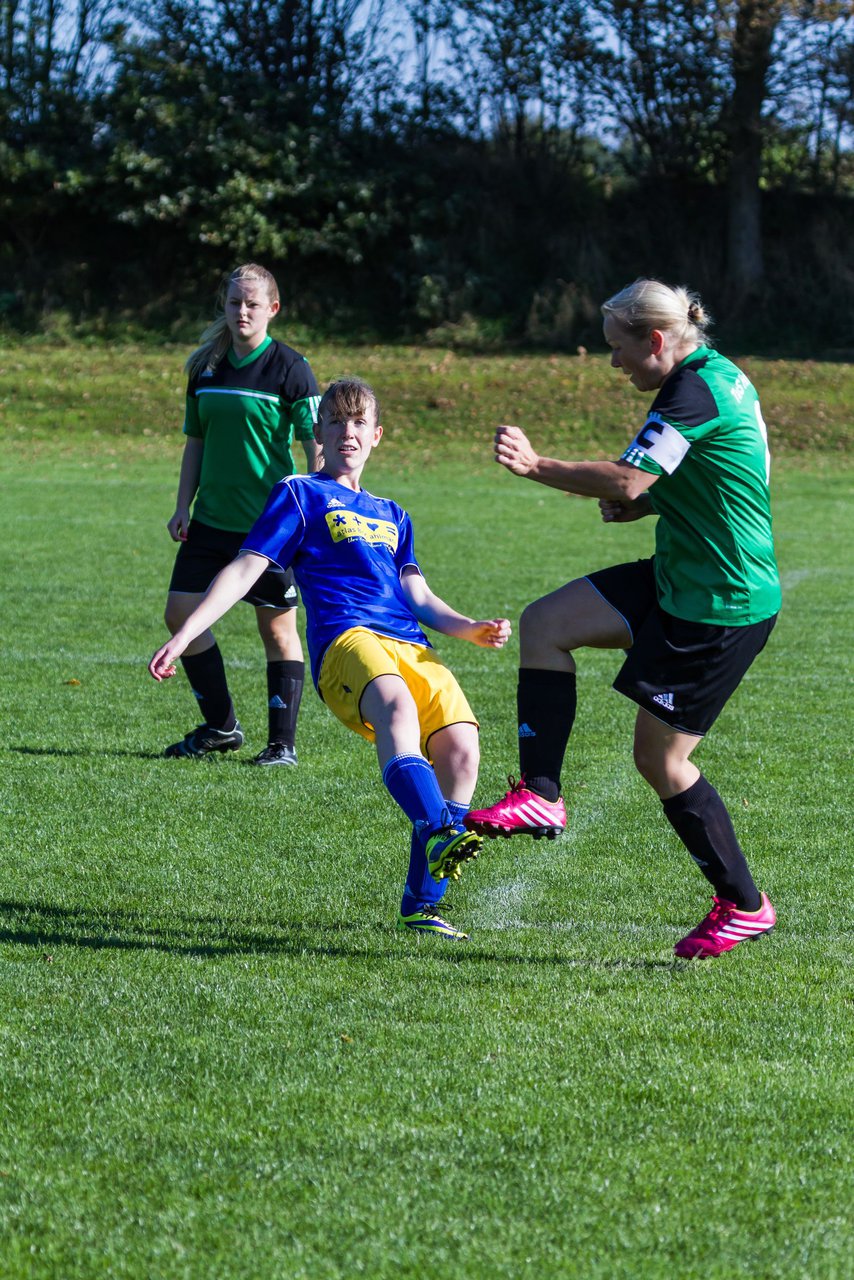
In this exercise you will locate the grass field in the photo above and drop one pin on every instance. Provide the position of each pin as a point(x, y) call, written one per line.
point(217, 1057)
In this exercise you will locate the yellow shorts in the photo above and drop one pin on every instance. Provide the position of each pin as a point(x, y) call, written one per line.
point(358, 656)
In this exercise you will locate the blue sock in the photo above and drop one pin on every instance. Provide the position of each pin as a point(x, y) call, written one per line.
point(421, 889)
point(412, 784)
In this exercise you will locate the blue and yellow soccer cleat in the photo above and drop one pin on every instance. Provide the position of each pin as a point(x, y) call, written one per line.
point(448, 849)
point(428, 920)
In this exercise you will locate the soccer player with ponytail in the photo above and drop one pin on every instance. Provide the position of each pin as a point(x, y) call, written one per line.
point(691, 619)
point(248, 398)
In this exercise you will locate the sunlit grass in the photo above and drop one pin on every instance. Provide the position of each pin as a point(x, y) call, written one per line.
point(218, 1056)
point(436, 402)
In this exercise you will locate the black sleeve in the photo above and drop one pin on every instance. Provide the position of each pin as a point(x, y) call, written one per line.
point(686, 398)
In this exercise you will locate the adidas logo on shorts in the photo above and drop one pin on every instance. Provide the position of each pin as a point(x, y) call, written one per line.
point(664, 700)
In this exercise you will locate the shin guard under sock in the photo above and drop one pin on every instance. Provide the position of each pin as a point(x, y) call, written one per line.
point(546, 703)
point(421, 889)
point(206, 674)
point(285, 682)
point(411, 783)
point(702, 822)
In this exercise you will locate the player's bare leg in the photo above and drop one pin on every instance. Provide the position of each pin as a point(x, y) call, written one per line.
point(573, 617)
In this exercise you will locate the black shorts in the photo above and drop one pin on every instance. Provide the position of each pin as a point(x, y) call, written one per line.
point(207, 550)
point(681, 672)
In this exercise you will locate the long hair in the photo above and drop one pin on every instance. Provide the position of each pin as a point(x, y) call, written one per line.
point(216, 339)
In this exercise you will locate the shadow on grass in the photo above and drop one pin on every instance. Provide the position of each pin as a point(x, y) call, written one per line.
point(44, 925)
point(99, 753)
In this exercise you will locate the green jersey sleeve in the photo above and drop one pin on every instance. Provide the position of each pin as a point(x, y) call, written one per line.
point(300, 398)
point(302, 416)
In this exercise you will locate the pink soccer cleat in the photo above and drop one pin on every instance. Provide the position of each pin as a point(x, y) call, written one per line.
point(723, 928)
point(520, 813)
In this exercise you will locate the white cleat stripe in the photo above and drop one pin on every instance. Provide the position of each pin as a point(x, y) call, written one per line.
point(738, 930)
point(535, 816)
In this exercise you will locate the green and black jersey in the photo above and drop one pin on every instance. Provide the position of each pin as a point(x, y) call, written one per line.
point(248, 412)
point(705, 437)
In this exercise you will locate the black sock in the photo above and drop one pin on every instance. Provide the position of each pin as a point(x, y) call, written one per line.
point(702, 822)
point(545, 702)
point(285, 681)
point(206, 674)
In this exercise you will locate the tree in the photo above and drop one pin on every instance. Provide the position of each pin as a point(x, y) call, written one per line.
point(226, 132)
point(528, 66)
point(51, 62)
point(700, 86)
point(664, 84)
point(812, 94)
point(754, 27)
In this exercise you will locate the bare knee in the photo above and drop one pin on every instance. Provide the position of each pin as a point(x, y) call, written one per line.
point(455, 752)
point(464, 760)
point(279, 635)
point(532, 620)
point(174, 615)
point(649, 763)
point(668, 772)
point(542, 642)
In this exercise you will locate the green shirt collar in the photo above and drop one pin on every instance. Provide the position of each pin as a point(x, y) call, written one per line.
point(695, 355)
point(253, 355)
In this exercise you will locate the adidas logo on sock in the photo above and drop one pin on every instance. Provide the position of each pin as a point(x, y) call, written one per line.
point(276, 701)
point(525, 731)
point(664, 700)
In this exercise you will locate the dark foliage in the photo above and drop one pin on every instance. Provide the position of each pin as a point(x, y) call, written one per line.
point(477, 173)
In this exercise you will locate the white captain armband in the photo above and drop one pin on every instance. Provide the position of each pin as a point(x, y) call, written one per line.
point(660, 442)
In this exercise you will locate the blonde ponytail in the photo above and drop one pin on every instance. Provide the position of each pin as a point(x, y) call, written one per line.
point(216, 339)
point(650, 304)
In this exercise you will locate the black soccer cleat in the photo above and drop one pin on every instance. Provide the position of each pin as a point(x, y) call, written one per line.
point(205, 741)
point(275, 753)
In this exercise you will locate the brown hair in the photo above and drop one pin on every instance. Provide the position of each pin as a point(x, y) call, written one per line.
point(347, 398)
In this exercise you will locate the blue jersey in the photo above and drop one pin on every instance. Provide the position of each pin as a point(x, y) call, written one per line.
point(347, 551)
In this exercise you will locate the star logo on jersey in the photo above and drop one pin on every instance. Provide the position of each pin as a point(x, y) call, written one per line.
point(347, 526)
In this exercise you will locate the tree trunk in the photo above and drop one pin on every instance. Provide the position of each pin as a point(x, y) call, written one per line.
point(755, 24)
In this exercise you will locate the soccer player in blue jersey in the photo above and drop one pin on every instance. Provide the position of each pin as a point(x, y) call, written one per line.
point(691, 619)
point(365, 597)
point(248, 398)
